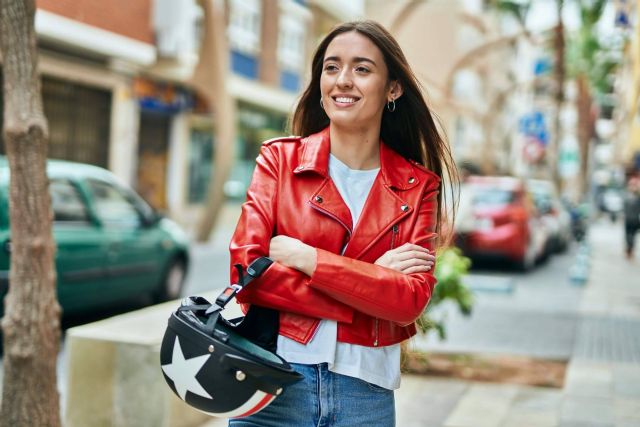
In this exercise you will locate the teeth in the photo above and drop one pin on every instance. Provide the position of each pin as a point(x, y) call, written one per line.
point(344, 99)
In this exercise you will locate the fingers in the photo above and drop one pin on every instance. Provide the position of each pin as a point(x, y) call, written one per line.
point(413, 263)
point(403, 256)
point(408, 251)
point(410, 246)
point(416, 269)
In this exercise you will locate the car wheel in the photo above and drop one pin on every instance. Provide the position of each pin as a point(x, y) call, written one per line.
point(172, 282)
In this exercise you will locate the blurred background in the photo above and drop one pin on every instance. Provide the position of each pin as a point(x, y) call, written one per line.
point(520, 89)
point(539, 101)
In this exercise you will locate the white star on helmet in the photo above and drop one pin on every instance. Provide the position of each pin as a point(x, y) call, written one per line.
point(183, 372)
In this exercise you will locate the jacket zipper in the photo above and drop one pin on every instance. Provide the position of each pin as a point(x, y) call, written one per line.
point(375, 339)
point(394, 234)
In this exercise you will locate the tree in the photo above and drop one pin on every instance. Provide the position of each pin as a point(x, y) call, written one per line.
point(210, 78)
point(559, 74)
point(519, 11)
point(31, 324)
point(590, 64)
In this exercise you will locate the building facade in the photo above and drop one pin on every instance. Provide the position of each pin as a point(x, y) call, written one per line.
point(117, 87)
point(627, 113)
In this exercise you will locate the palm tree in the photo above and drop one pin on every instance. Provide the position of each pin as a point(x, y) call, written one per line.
point(590, 63)
point(559, 73)
point(519, 11)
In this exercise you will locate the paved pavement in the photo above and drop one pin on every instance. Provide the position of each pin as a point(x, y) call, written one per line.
point(595, 327)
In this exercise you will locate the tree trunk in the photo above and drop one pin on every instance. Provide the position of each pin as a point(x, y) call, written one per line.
point(210, 78)
point(31, 322)
point(487, 157)
point(585, 131)
point(559, 76)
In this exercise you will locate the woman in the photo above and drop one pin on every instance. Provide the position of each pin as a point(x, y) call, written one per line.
point(350, 213)
point(631, 215)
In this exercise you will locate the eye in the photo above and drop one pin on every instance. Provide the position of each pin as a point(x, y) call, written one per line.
point(330, 67)
point(362, 69)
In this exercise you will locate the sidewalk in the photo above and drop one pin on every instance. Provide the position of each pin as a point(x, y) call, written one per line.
point(595, 327)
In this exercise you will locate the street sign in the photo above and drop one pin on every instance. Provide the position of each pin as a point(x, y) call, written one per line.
point(623, 8)
point(533, 125)
point(533, 150)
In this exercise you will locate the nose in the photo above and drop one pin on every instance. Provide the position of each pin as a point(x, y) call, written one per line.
point(344, 79)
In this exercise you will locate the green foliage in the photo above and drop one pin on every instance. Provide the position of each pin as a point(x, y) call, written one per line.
point(451, 268)
point(516, 9)
point(589, 53)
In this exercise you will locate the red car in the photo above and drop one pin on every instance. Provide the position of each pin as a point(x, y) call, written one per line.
point(497, 218)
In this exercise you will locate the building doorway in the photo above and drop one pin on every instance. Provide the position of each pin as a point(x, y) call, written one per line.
point(153, 146)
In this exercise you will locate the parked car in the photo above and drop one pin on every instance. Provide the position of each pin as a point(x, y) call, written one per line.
point(111, 245)
point(554, 214)
point(497, 218)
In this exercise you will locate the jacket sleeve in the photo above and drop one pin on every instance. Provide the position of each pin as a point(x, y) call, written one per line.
point(379, 291)
point(279, 287)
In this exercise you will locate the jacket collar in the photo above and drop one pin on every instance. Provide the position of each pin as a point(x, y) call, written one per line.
point(396, 171)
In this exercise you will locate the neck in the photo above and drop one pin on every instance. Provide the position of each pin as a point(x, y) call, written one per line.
point(358, 149)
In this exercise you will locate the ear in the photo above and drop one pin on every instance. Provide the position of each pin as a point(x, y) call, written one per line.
point(395, 90)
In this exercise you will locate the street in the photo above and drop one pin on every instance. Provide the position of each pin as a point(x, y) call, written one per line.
point(545, 302)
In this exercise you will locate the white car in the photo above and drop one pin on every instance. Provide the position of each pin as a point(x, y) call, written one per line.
point(554, 215)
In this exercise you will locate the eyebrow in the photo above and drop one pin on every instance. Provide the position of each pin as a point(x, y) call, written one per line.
point(355, 59)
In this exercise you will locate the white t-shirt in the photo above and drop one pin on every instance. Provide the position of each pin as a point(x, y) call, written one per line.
point(376, 365)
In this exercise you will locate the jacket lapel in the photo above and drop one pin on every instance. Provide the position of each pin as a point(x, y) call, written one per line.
point(381, 211)
point(326, 198)
point(386, 204)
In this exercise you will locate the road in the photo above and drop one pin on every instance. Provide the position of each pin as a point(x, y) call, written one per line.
point(546, 303)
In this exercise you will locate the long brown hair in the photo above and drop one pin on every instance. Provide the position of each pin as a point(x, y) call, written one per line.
point(410, 130)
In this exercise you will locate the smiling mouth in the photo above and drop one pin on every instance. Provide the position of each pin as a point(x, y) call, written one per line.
point(345, 99)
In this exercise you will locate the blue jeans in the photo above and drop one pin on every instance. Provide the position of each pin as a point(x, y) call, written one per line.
point(326, 399)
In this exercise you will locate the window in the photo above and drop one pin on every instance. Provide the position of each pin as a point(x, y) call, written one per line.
point(200, 160)
point(112, 206)
point(492, 197)
point(66, 203)
point(291, 43)
point(244, 36)
point(79, 121)
point(244, 25)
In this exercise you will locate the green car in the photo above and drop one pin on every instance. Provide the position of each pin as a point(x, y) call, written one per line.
point(111, 245)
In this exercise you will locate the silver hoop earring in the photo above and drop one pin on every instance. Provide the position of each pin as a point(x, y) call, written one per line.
point(321, 104)
point(391, 106)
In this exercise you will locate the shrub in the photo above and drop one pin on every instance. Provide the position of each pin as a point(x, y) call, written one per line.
point(451, 268)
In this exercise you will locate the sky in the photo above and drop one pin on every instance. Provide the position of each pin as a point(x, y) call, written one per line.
point(542, 15)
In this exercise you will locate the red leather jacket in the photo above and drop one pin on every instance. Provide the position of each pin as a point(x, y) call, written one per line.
point(292, 194)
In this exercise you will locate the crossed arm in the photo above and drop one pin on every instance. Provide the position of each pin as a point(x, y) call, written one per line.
point(406, 259)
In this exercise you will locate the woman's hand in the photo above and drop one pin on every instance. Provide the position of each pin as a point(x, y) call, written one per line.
point(293, 253)
point(407, 259)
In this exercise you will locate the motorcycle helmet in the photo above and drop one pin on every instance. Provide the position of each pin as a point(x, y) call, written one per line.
point(210, 365)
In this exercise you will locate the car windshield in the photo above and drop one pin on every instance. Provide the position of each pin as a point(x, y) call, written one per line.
point(491, 196)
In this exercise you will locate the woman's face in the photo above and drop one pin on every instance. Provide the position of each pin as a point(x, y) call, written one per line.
point(354, 82)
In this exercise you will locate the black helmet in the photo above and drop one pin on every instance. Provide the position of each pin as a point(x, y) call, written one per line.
point(211, 364)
